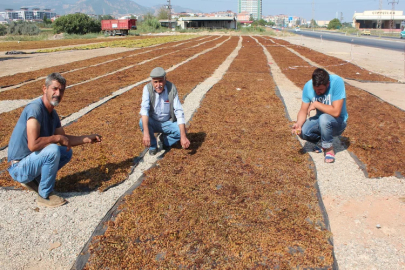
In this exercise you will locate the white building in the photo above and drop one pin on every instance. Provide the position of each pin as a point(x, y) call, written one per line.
point(369, 19)
point(253, 7)
point(27, 15)
point(207, 22)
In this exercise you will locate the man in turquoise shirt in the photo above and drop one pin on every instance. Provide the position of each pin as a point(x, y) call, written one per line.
point(327, 95)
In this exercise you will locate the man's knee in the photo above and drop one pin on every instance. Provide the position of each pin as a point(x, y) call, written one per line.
point(68, 154)
point(175, 130)
point(325, 121)
point(52, 152)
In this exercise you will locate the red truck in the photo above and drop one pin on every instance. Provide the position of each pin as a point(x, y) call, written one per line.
point(118, 27)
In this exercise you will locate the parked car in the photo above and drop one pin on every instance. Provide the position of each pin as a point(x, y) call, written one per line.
point(402, 34)
point(297, 29)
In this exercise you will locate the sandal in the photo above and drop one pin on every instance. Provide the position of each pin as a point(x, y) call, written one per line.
point(317, 149)
point(329, 157)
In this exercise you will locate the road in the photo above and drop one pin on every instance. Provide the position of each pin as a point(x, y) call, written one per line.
point(382, 43)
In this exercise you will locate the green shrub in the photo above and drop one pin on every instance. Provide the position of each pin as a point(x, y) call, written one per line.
point(334, 24)
point(23, 28)
point(3, 30)
point(78, 23)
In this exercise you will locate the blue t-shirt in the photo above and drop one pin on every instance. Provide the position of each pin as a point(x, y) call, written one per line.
point(18, 144)
point(335, 92)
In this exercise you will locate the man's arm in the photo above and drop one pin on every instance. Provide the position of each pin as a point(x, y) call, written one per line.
point(301, 118)
point(36, 143)
point(178, 111)
point(78, 140)
point(185, 143)
point(145, 125)
point(333, 109)
point(145, 106)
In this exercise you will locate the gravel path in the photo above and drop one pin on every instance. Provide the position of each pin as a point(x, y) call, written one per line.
point(356, 205)
point(40, 238)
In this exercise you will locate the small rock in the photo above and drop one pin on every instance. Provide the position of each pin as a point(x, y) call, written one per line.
point(54, 245)
point(55, 215)
point(238, 89)
point(378, 226)
point(357, 73)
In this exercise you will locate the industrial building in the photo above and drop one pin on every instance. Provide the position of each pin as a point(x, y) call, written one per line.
point(207, 22)
point(24, 14)
point(390, 19)
point(253, 7)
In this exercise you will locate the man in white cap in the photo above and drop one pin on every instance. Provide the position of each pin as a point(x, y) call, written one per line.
point(161, 111)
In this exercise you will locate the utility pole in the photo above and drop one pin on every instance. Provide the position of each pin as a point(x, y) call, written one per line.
point(313, 20)
point(379, 21)
point(169, 7)
point(392, 13)
point(341, 17)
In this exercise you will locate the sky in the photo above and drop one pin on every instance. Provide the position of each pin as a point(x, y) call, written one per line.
point(323, 9)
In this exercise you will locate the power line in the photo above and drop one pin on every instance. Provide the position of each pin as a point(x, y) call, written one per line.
point(169, 7)
point(392, 13)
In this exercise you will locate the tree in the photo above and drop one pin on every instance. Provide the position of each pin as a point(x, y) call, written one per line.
point(23, 28)
point(334, 24)
point(163, 13)
point(78, 23)
point(251, 18)
point(105, 17)
point(313, 23)
point(3, 30)
point(46, 20)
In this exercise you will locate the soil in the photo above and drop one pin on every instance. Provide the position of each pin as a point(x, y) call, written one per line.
point(32, 45)
point(348, 215)
point(95, 90)
point(374, 126)
point(224, 207)
point(110, 118)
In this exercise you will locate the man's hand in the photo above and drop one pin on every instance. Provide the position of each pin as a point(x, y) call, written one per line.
point(311, 108)
point(185, 143)
point(146, 139)
point(64, 141)
point(93, 138)
point(296, 129)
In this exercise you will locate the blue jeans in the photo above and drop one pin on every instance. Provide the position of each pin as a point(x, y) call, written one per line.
point(323, 128)
point(170, 131)
point(44, 163)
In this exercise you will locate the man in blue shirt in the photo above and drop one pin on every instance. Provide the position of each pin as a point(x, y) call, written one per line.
point(327, 95)
point(33, 152)
point(161, 111)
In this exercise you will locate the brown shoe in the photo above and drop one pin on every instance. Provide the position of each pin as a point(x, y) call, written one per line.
point(52, 201)
point(33, 186)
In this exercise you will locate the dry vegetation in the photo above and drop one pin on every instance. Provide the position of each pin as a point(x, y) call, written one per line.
point(232, 200)
point(374, 128)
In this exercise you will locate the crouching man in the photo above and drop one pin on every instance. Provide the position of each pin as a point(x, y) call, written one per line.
point(161, 111)
point(327, 95)
point(39, 147)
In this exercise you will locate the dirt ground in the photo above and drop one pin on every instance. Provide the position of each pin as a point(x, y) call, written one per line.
point(360, 213)
point(369, 214)
point(11, 64)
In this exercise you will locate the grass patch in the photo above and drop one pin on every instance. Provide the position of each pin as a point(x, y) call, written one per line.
point(128, 43)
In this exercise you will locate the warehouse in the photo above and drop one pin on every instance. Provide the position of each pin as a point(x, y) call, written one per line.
point(390, 19)
point(207, 22)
